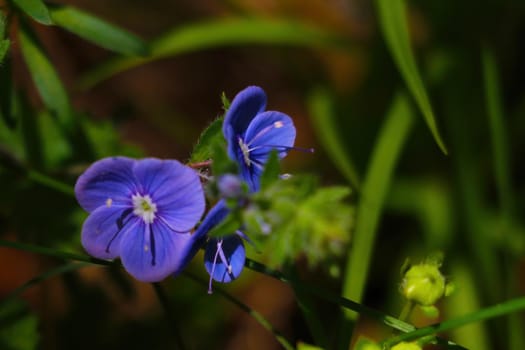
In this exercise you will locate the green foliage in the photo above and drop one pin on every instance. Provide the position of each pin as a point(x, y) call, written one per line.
point(292, 217)
point(394, 25)
point(36, 9)
point(98, 31)
point(18, 330)
point(212, 135)
point(389, 144)
point(322, 115)
point(222, 32)
point(46, 79)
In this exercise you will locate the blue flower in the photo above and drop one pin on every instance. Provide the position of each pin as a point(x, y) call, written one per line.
point(252, 133)
point(141, 211)
point(223, 257)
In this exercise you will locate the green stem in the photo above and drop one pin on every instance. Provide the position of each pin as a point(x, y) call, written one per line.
point(510, 306)
point(257, 316)
point(407, 311)
point(163, 299)
point(42, 277)
point(50, 182)
point(53, 252)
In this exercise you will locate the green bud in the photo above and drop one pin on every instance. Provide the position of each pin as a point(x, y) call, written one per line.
point(366, 344)
point(406, 346)
point(423, 284)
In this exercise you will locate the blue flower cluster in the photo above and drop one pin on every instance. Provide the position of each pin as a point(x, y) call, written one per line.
point(144, 211)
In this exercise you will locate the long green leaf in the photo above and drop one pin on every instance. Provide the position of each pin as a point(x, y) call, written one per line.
point(42, 277)
point(392, 136)
point(321, 113)
point(46, 79)
point(500, 151)
point(96, 30)
point(510, 306)
point(218, 33)
point(35, 9)
point(393, 22)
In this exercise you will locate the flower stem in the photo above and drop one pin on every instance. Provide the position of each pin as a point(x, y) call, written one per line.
point(163, 299)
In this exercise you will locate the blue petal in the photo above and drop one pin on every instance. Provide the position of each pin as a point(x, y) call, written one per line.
point(213, 218)
point(244, 107)
point(103, 230)
point(270, 130)
point(175, 189)
point(234, 252)
point(109, 180)
point(153, 252)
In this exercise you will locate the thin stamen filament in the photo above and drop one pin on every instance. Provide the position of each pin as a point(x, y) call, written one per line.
point(265, 130)
point(219, 243)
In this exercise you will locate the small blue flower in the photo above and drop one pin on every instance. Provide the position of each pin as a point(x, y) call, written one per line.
point(252, 133)
point(141, 211)
point(223, 257)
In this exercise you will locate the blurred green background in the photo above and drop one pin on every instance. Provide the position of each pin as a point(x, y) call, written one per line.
point(338, 67)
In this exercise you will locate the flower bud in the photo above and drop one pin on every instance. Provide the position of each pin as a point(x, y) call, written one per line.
point(229, 186)
point(423, 284)
point(406, 346)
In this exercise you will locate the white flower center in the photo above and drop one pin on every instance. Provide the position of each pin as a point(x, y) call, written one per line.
point(245, 151)
point(144, 207)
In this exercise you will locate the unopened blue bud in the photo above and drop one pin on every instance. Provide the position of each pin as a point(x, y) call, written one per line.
point(229, 186)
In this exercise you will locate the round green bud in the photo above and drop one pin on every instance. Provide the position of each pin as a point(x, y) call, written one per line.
point(406, 346)
point(423, 284)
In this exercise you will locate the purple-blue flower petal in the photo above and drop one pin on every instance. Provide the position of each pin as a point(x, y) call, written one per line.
point(270, 130)
point(153, 252)
point(109, 180)
point(175, 189)
point(234, 252)
point(244, 107)
point(103, 230)
point(213, 218)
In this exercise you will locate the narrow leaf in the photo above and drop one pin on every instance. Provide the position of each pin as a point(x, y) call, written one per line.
point(46, 80)
point(500, 150)
point(6, 97)
point(323, 118)
point(35, 9)
point(202, 151)
point(393, 22)
point(98, 31)
point(4, 47)
point(220, 33)
point(387, 150)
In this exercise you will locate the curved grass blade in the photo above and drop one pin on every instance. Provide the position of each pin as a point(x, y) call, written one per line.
point(510, 306)
point(36, 9)
point(500, 150)
point(98, 31)
point(46, 79)
point(383, 318)
point(253, 313)
point(220, 33)
point(393, 22)
point(42, 277)
point(387, 150)
point(321, 113)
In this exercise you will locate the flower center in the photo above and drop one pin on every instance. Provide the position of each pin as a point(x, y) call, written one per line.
point(245, 152)
point(144, 207)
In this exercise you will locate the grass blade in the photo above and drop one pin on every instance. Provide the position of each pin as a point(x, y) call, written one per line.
point(219, 33)
point(98, 31)
point(321, 113)
point(393, 22)
point(392, 136)
point(510, 306)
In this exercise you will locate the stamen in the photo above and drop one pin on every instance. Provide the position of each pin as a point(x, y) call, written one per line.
point(284, 148)
point(277, 125)
point(210, 291)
